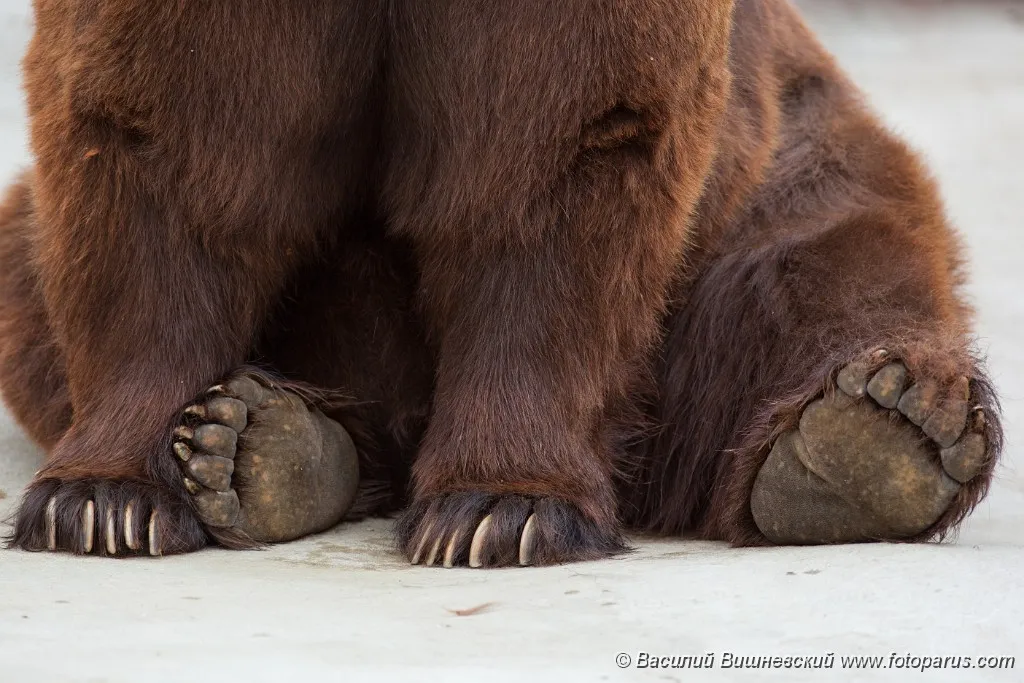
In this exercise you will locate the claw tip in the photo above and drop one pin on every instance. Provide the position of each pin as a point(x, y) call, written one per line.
point(476, 548)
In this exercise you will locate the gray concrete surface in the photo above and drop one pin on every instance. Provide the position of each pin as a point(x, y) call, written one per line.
point(342, 606)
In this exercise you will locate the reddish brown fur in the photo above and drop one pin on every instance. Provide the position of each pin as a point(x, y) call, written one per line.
point(476, 213)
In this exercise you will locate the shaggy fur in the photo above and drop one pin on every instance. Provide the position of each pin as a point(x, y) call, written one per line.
point(580, 259)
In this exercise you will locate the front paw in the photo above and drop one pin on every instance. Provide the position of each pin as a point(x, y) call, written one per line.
point(105, 517)
point(486, 530)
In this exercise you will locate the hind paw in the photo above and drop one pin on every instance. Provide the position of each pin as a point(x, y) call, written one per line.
point(261, 465)
point(883, 458)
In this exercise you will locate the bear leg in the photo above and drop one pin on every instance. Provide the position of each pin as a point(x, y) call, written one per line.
point(823, 389)
point(32, 376)
point(546, 161)
point(184, 172)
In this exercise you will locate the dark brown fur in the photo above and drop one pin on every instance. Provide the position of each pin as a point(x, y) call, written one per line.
point(581, 258)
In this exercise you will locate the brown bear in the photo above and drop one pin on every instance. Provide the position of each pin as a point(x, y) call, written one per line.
point(559, 269)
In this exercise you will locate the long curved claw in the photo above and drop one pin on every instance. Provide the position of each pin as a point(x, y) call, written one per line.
point(88, 525)
point(51, 524)
point(527, 541)
point(434, 551)
point(418, 553)
point(130, 538)
point(449, 551)
point(110, 533)
point(477, 546)
point(154, 536)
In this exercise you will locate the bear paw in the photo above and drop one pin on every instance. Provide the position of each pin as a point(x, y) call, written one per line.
point(883, 458)
point(111, 517)
point(484, 530)
point(261, 465)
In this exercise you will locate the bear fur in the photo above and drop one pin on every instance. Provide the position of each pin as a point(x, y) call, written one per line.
point(597, 256)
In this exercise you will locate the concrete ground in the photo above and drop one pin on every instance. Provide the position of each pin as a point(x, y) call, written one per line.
point(343, 606)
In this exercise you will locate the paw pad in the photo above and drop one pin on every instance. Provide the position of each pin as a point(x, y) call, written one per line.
point(852, 472)
point(295, 474)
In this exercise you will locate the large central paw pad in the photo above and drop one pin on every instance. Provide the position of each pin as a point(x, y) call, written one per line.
point(881, 459)
point(261, 465)
point(481, 530)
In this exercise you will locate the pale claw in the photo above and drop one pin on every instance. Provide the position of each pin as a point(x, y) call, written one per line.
point(110, 529)
point(130, 539)
point(196, 411)
point(154, 536)
point(449, 551)
point(183, 452)
point(184, 433)
point(526, 541)
point(88, 525)
point(423, 542)
point(432, 555)
point(51, 524)
point(477, 546)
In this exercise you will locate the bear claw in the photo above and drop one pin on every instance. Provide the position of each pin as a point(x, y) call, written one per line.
point(105, 517)
point(88, 529)
point(153, 532)
point(51, 524)
point(110, 533)
point(88, 525)
point(484, 530)
point(418, 552)
point(183, 452)
point(527, 540)
point(476, 547)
